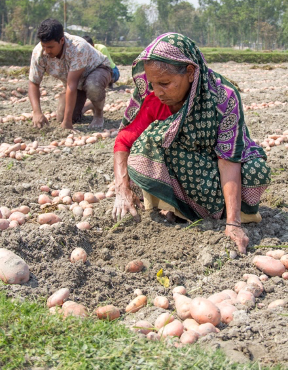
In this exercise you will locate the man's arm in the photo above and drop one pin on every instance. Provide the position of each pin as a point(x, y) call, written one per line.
point(71, 97)
point(39, 120)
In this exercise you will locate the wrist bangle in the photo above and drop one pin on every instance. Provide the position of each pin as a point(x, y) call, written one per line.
point(233, 225)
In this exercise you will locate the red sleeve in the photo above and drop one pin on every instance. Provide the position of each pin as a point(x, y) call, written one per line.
point(150, 110)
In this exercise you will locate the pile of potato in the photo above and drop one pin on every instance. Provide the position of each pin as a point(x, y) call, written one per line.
point(275, 139)
point(254, 106)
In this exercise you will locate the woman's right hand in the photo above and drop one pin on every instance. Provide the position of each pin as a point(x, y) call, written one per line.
point(126, 201)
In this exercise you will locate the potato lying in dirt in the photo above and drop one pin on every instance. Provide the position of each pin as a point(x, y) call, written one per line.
point(13, 269)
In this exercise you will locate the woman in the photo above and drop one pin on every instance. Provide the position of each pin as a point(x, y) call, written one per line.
point(191, 154)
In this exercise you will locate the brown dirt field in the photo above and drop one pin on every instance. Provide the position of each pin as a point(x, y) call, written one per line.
point(198, 258)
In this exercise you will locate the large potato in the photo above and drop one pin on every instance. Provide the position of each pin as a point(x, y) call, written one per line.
point(202, 310)
point(58, 298)
point(13, 269)
point(269, 265)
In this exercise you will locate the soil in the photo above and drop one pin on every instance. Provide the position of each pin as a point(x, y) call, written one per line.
point(198, 257)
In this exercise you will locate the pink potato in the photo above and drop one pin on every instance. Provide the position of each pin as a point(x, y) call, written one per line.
point(239, 285)
point(64, 193)
point(143, 326)
point(45, 188)
point(108, 312)
point(48, 218)
point(190, 337)
point(88, 212)
point(13, 224)
point(90, 198)
point(275, 304)
point(245, 297)
point(153, 336)
point(100, 195)
point(6, 212)
point(182, 304)
point(24, 209)
point(78, 211)
point(4, 224)
point(277, 254)
point(173, 329)
point(206, 328)
point(137, 292)
point(269, 265)
point(254, 288)
point(74, 309)
point(18, 216)
point(204, 311)
point(163, 319)
point(84, 225)
point(78, 254)
point(55, 193)
point(136, 304)
point(44, 199)
point(67, 199)
point(179, 289)
point(134, 266)
point(78, 197)
point(218, 297)
point(231, 293)
point(190, 324)
point(284, 260)
point(161, 302)
point(58, 298)
point(13, 269)
point(263, 277)
point(226, 311)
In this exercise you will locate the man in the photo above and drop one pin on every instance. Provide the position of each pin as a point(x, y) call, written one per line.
point(84, 71)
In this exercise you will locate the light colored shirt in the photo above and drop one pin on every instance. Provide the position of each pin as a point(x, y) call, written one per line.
point(77, 54)
point(104, 51)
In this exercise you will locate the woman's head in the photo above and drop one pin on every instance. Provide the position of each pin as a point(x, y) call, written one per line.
point(171, 83)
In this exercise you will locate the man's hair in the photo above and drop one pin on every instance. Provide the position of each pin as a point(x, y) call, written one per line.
point(49, 30)
point(88, 39)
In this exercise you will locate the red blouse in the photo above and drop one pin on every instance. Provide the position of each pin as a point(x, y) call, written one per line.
point(151, 109)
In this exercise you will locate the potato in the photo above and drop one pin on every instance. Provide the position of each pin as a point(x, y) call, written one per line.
point(4, 224)
point(24, 209)
point(277, 254)
point(182, 304)
point(48, 218)
point(64, 193)
point(153, 336)
point(143, 326)
point(88, 212)
point(78, 254)
point(67, 199)
point(55, 193)
point(45, 188)
point(5, 212)
point(90, 198)
point(246, 298)
point(137, 292)
point(100, 195)
point(75, 309)
point(190, 324)
point(254, 288)
point(12, 224)
point(163, 319)
point(226, 311)
point(239, 285)
point(276, 304)
point(134, 266)
point(206, 328)
point(173, 329)
point(218, 297)
point(161, 302)
point(78, 211)
point(108, 312)
point(231, 293)
point(263, 277)
point(84, 225)
point(44, 199)
point(205, 311)
point(58, 298)
point(136, 304)
point(18, 216)
point(284, 260)
point(285, 275)
point(78, 197)
point(190, 337)
point(269, 265)
point(179, 289)
point(13, 269)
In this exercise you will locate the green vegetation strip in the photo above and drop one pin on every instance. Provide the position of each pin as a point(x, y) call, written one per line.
point(30, 337)
point(21, 55)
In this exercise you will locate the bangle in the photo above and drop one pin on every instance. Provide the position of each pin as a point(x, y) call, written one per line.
point(233, 225)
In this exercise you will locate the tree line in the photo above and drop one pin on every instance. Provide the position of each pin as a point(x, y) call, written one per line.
point(255, 24)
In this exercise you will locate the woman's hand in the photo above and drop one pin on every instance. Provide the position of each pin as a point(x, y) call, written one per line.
point(238, 236)
point(125, 202)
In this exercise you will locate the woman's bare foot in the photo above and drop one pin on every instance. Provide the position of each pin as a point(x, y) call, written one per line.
point(170, 216)
point(97, 122)
point(238, 236)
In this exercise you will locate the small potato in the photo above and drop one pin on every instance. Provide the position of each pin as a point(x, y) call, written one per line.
point(58, 298)
point(84, 204)
point(5, 212)
point(78, 254)
point(24, 209)
point(88, 212)
point(269, 265)
point(204, 311)
point(48, 218)
point(75, 309)
point(18, 216)
point(263, 277)
point(45, 188)
point(277, 254)
point(55, 193)
point(231, 293)
point(275, 304)
point(134, 266)
point(206, 328)
point(12, 224)
point(161, 302)
point(78, 211)
point(90, 198)
point(246, 298)
point(190, 337)
point(226, 311)
point(100, 196)
point(64, 193)
point(284, 260)
point(67, 200)
point(218, 297)
point(78, 197)
point(4, 224)
point(182, 304)
point(153, 336)
point(240, 285)
point(44, 199)
point(173, 329)
point(180, 290)
point(108, 312)
point(285, 275)
point(163, 319)
point(143, 326)
point(137, 292)
point(136, 304)
point(84, 225)
point(190, 324)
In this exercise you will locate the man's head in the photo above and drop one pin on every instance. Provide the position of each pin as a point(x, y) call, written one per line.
point(88, 39)
point(51, 35)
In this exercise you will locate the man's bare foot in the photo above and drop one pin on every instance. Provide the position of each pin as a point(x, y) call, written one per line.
point(238, 236)
point(170, 216)
point(97, 122)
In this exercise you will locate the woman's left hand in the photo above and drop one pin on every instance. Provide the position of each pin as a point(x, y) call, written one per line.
point(238, 236)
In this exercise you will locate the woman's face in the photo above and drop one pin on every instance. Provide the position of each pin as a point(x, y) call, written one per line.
point(171, 89)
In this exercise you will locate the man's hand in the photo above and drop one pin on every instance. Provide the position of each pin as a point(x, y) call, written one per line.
point(39, 120)
point(238, 236)
point(125, 202)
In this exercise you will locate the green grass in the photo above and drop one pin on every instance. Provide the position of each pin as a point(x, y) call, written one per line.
point(29, 337)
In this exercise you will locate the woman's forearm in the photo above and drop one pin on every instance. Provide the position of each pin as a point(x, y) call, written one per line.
point(230, 176)
point(121, 170)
